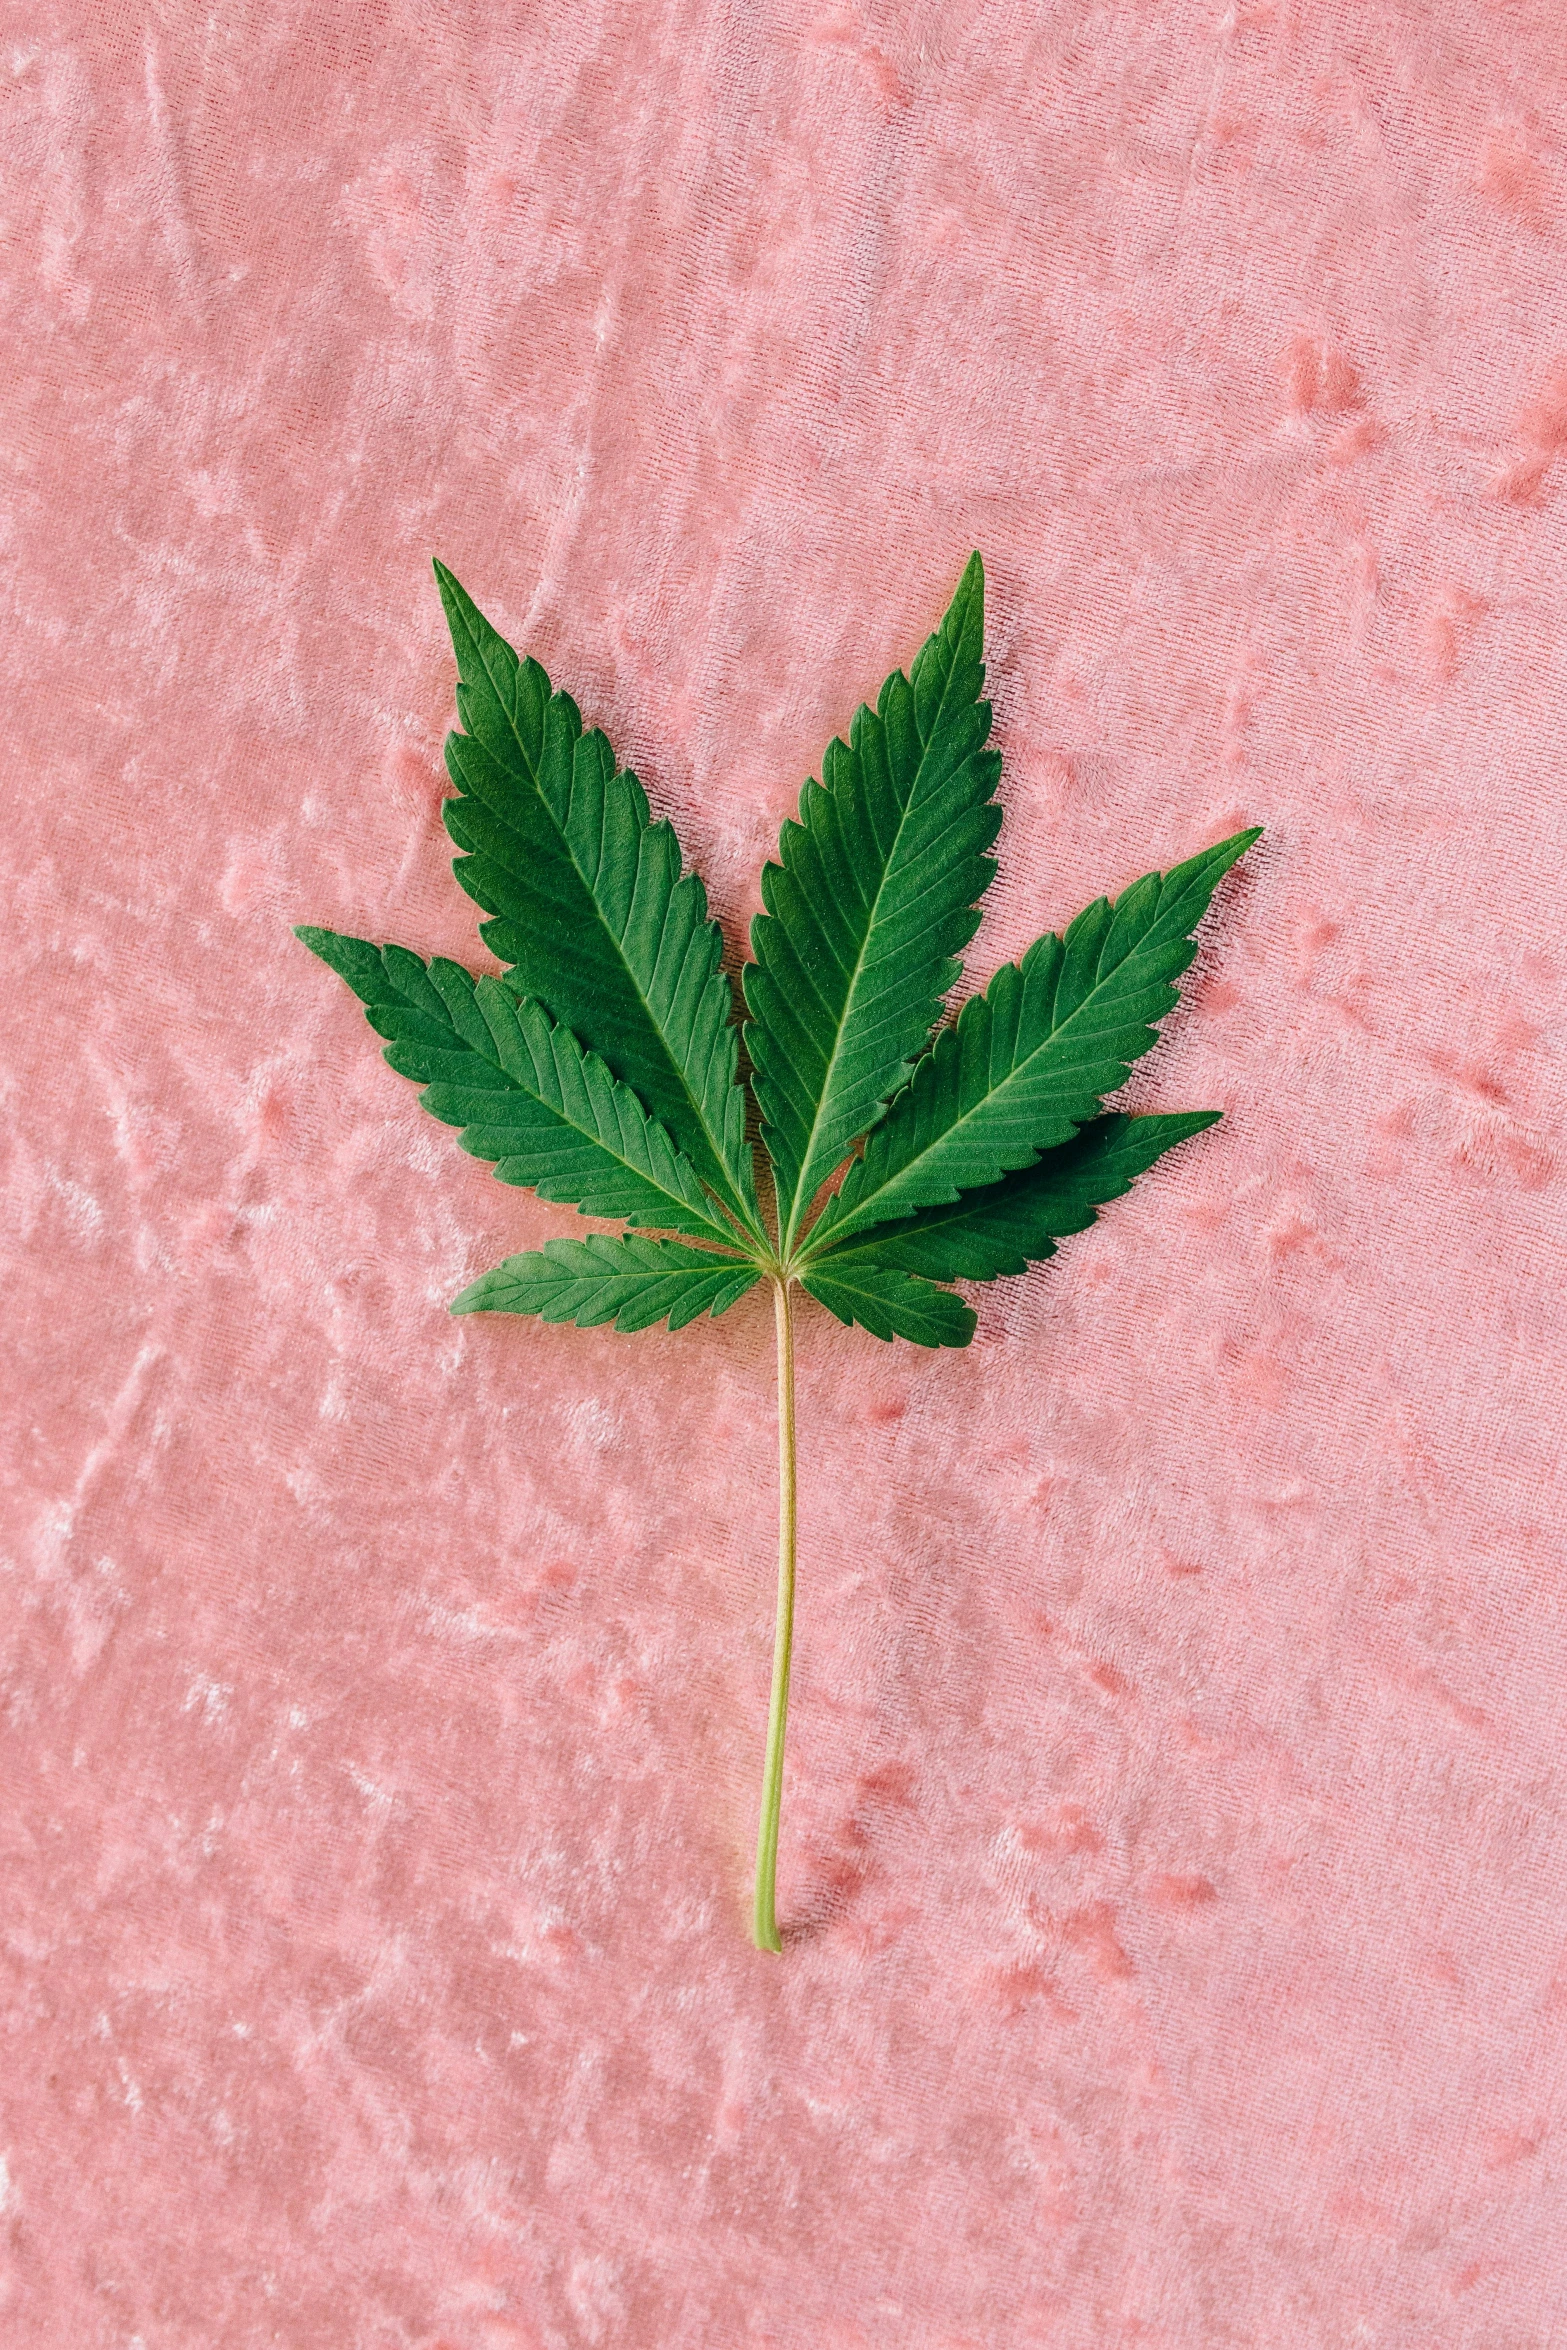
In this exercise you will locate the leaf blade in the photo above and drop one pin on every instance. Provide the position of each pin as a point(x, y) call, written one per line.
point(625, 1279)
point(1030, 1060)
point(1006, 1226)
point(890, 1303)
point(521, 1089)
point(871, 898)
point(587, 899)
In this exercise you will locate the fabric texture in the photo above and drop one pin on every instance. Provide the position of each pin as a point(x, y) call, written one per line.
point(1173, 1852)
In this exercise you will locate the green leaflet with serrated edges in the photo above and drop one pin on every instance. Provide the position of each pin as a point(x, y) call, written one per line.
point(1031, 1059)
point(628, 1280)
point(1007, 1226)
point(587, 899)
point(890, 1303)
point(521, 1088)
point(871, 899)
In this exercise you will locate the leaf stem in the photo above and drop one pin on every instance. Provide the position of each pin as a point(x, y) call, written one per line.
point(764, 1927)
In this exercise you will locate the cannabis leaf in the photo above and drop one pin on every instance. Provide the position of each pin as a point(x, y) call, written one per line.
point(629, 1281)
point(1030, 1060)
point(1005, 1227)
point(589, 905)
point(874, 893)
point(882, 1297)
point(601, 1068)
point(521, 1088)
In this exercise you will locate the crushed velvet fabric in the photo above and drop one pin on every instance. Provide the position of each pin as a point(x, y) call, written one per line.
point(1173, 1843)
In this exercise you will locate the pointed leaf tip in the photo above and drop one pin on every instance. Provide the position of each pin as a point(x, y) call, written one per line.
point(462, 613)
point(1217, 858)
point(454, 596)
point(968, 597)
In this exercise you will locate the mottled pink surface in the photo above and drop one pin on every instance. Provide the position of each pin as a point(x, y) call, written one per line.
point(1174, 1856)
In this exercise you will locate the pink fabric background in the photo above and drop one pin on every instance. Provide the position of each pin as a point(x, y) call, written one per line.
point(1173, 1860)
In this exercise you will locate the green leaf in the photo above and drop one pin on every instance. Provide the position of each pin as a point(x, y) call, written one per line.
point(1007, 1226)
point(867, 908)
point(521, 1088)
point(1030, 1060)
point(629, 1281)
point(588, 903)
point(888, 1302)
point(603, 1069)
